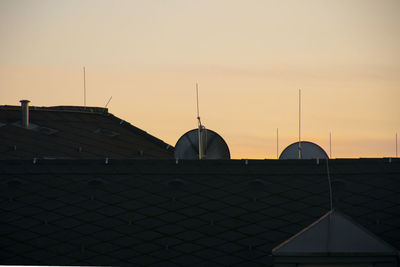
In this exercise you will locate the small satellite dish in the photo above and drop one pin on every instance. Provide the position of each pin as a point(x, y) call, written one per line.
point(215, 146)
point(309, 150)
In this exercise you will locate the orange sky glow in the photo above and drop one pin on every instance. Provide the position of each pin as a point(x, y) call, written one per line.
point(250, 58)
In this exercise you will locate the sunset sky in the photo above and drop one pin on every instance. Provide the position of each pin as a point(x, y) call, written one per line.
point(249, 58)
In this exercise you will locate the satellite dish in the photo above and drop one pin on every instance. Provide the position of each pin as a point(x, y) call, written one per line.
point(309, 150)
point(215, 146)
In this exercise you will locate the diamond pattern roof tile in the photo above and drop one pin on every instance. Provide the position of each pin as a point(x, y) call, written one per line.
point(146, 212)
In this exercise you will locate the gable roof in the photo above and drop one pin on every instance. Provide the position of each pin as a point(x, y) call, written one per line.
point(163, 212)
point(75, 132)
point(334, 234)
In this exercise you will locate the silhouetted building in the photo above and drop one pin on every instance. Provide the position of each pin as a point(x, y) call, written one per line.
point(64, 207)
point(74, 132)
point(159, 212)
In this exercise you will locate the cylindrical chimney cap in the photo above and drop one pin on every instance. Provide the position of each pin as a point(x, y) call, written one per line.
point(25, 113)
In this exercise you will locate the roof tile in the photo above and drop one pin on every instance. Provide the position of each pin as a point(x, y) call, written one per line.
point(224, 210)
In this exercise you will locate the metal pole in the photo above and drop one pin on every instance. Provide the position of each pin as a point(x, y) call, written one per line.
point(330, 145)
point(299, 123)
point(84, 87)
point(197, 101)
point(108, 102)
point(277, 143)
point(200, 130)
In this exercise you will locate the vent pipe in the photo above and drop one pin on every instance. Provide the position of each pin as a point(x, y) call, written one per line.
point(25, 113)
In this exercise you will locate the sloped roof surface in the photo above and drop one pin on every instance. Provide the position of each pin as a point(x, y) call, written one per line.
point(159, 213)
point(74, 132)
point(334, 233)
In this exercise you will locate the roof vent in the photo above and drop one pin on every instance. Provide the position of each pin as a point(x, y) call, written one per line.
point(257, 182)
point(25, 113)
point(176, 182)
point(106, 132)
point(97, 182)
point(14, 183)
point(46, 130)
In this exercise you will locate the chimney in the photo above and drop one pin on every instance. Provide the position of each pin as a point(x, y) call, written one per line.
point(25, 113)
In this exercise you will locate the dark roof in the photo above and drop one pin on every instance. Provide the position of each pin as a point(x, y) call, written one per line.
point(74, 132)
point(163, 212)
point(334, 234)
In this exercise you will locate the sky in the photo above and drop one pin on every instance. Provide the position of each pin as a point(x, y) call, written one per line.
point(250, 58)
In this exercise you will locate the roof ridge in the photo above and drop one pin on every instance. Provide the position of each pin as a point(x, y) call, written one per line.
point(141, 132)
point(78, 109)
point(98, 111)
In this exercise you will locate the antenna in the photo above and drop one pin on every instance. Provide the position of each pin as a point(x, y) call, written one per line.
point(277, 143)
point(299, 123)
point(186, 147)
point(108, 102)
point(84, 87)
point(330, 145)
point(201, 128)
point(197, 99)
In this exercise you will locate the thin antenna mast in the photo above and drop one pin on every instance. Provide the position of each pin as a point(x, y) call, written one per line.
point(330, 145)
point(108, 102)
point(200, 127)
point(277, 143)
point(197, 100)
point(299, 123)
point(84, 87)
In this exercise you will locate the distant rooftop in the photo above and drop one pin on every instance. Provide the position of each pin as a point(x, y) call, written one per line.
point(79, 109)
point(74, 132)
